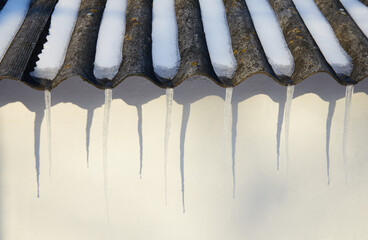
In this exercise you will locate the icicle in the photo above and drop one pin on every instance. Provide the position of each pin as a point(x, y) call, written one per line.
point(331, 110)
point(289, 98)
point(227, 112)
point(348, 99)
point(183, 131)
point(280, 121)
point(108, 100)
point(140, 136)
point(48, 120)
point(88, 132)
point(233, 142)
point(169, 100)
point(37, 136)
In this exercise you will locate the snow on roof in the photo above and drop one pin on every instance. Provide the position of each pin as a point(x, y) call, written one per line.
point(194, 38)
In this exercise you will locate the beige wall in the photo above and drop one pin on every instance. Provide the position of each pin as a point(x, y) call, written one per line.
point(269, 204)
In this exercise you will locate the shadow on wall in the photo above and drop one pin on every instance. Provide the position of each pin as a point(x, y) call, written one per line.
point(137, 91)
point(134, 91)
point(329, 92)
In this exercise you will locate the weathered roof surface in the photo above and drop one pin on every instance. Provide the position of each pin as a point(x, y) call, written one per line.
point(22, 53)
point(365, 2)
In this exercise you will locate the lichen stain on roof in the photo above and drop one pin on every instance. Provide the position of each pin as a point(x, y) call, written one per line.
point(21, 55)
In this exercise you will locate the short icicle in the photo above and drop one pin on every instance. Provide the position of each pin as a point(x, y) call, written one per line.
point(289, 98)
point(227, 112)
point(108, 100)
point(48, 121)
point(348, 100)
point(169, 100)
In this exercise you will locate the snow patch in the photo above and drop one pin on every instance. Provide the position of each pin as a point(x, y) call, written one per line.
point(324, 36)
point(271, 37)
point(11, 18)
point(52, 56)
point(218, 37)
point(359, 12)
point(165, 49)
point(110, 40)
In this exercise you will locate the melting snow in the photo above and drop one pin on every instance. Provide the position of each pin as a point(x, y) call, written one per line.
point(271, 37)
point(324, 36)
point(359, 12)
point(165, 50)
point(11, 18)
point(218, 37)
point(62, 24)
point(110, 40)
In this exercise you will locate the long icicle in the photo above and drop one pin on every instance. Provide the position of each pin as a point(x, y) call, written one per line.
point(289, 98)
point(169, 100)
point(140, 136)
point(48, 121)
point(183, 131)
point(331, 110)
point(227, 112)
point(107, 107)
point(348, 99)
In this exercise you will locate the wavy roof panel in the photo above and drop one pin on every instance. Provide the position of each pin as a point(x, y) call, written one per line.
point(22, 53)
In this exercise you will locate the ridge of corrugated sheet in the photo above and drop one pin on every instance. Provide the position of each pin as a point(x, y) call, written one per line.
point(22, 53)
point(248, 51)
point(345, 27)
point(80, 55)
point(307, 56)
point(21, 56)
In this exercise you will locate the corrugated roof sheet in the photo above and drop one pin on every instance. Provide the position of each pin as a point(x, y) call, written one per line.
point(22, 53)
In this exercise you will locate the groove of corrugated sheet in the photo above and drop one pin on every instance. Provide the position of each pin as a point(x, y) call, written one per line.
point(22, 53)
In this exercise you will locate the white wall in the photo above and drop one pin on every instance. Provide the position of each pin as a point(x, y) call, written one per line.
point(269, 204)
